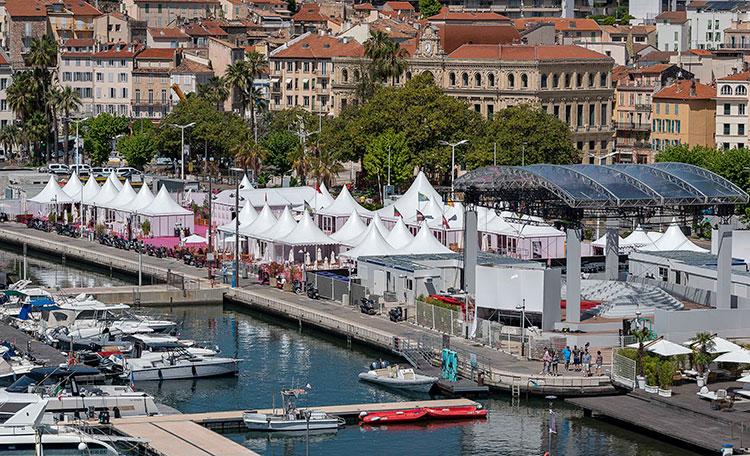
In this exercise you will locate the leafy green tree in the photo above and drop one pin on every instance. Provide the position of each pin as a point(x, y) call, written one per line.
point(429, 8)
point(280, 146)
point(99, 132)
point(138, 149)
point(291, 6)
point(142, 126)
point(376, 163)
point(10, 136)
point(698, 155)
point(68, 102)
point(215, 91)
point(523, 134)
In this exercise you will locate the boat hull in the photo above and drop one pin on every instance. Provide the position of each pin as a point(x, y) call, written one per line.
point(422, 385)
point(393, 416)
point(456, 413)
point(185, 371)
point(274, 423)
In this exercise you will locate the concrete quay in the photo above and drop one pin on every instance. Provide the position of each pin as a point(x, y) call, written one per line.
point(501, 371)
point(150, 295)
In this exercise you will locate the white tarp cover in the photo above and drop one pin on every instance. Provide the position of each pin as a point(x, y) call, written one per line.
point(720, 345)
point(74, 187)
point(283, 226)
point(400, 236)
point(107, 193)
point(115, 180)
point(262, 222)
point(741, 356)
point(663, 347)
point(141, 200)
point(91, 189)
point(324, 191)
point(320, 200)
point(248, 214)
point(424, 242)
point(602, 241)
point(194, 239)
point(373, 244)
point(307, 233)
point(163, 204)
point(378, 223)
point(640, 238)
point(344, 205)
point(51, 194)
point(673, 239)
point(414, 198)
point(275, 197)
point(353, 228)
point(126, 195)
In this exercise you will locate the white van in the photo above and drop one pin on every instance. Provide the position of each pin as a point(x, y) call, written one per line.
point(81, 170)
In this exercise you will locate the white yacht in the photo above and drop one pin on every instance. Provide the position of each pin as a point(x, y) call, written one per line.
point(72, 398)
point(400, 378)
point(291, 419)
point(24, 434)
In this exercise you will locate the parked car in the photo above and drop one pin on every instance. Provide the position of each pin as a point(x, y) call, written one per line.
point(101, 171)
point(163, 161)
point(57, 169)
point(82, 169)
point(127, 172)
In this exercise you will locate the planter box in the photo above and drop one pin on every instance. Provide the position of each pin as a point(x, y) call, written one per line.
point(665, 393)
point(652, 389)
point(641, 382)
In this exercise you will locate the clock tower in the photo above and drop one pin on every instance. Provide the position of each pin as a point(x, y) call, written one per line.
point(429, 44)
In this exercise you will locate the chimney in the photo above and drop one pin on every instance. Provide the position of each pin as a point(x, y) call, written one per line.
point(692, 88)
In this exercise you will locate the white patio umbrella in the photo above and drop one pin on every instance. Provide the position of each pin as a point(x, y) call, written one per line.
point(663, 347)
point(721, 345)
point(738, 357)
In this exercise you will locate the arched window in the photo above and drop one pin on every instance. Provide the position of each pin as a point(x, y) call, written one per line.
point(568, 81)
point(511, 80)
point(543, 81)
point(465, 79)
point(524, 80)
point(477, 80)
point(452, 78)
point(592, 80)
point(356, 75)
point(556, 81)
point(491, 79)
point(345, 75)
point(579, 80)
point(408, 75)
point(740, 90)
point(726, 90)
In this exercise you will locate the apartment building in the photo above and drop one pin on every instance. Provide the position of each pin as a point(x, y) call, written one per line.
point(709, 19)
point(301, 71)
point(673, 31)
point(119, 28)
point(72, 19)
point(167, 37)
point(634, 34)
point(707, 65)
point(113, 78)
point(567, 31)
point(569, 82)
point(75, 69)
point(192, 72)
point(732, 119)
point(634, 90)
point(7, 116)
point(684, 113)
point(24, 21)
point(152, 97)
point(163, 13)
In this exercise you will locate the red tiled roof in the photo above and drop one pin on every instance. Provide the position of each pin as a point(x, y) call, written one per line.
point(526, 53)
point(367, 6)
point(700, 52)
point(309, 12)
point(561, 24)
point(114, 53)
point(628, 29)
point(744, 76)
point(26, 8)
point(453, 36)
point(410, 46)
point(399, 6)
point(79, 42)
point(446, 15)
point(81, 8)
point(156, 54)
point(674, 17)
point(320, 47)
point(205, 30)
point(657, 56)
point(208, 2)
point(395, 29)
point(3, 59)
point(192, 67)
point(683, 90)
point(166, 33)
point(652, 69)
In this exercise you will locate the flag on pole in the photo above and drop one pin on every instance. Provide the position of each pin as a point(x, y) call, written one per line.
point(446, 225)
point(396, 212)
point(421, 197)
point(317, 187)
point(420, 216)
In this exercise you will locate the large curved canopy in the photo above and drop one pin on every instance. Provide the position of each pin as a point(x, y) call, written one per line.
point(618, 186)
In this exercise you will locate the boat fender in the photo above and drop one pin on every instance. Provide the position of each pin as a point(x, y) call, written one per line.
point(195, 372)
point(161, 376)
point(362, 414)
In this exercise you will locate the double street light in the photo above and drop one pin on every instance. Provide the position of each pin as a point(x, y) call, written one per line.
point(453, 158)
point(182, 153)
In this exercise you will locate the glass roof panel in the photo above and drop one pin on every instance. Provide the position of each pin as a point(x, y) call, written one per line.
point(655, 180)
point(569, 182)
point(612, 181)
point(697, 178)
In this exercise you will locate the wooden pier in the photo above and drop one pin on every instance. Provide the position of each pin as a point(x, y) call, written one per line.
point(193, 434)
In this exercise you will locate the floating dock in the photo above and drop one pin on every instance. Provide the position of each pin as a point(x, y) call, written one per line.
point(193, 434)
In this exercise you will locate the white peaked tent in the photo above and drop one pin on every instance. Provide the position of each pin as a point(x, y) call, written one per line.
point(640, 238)
point(318, 201)
point(247, 215)
point(245, 183)
point(400, 236)
point(52, 193)
point(107, 193)
point(373, 244)
point(165, 215)
point(377, 223)
point(283, 226)
point(344, 204)
point(305, 238)
point(91, 189)
point(673, 239)
point(262, 222)
point(324, 191)
point(141, 200)
point(353, 228)
point(412, 199)
point(74, 187)
point(115, 180)
point(663, 347)
point(424, 242)
point(602, 242)
point(126, 195)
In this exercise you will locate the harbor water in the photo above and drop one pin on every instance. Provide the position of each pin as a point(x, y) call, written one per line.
point(277, 354)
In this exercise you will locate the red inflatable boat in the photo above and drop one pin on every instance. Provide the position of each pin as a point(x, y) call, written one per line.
point(393, 416)
point(457, 412)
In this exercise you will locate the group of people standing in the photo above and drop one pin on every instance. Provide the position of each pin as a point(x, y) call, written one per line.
point(577, 359)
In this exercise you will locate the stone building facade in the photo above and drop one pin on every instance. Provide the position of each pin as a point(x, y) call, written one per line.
point(570, 82)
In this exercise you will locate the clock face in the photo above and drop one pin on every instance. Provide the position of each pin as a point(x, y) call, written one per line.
point(428, 48)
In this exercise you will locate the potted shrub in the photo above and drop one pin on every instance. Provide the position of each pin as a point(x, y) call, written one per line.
point(666, 376)
point(702, 345)
point(651, 368)
point(641, 336)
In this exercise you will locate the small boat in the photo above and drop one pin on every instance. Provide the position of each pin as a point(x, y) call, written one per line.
point(457, 412)
point(397, 377)
point(292, 419)
point(393, 416)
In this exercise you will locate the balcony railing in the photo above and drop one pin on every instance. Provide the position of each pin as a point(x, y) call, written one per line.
point(632, 126)
point(643, 107)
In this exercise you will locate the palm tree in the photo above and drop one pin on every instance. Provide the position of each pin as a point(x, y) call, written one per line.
point(42, 57)
point(35, 130)
point(257, 64)
point(248, 154)
point(387, 59)
point(68, 101)
point(394, 61)
point(325, 165)
point(702, 345)
point(642, 336)
point(215, 91)
point(9, 137)
point(52, 104)
point(21, 94)
point(376, 45)
point(237, 78)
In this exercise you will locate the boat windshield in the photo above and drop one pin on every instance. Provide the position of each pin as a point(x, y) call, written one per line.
point(27, 383)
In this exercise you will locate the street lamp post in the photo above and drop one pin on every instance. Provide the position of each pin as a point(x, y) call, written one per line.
point(78, 154)
point(453, 158)
point(236, 282)
point(182, 142)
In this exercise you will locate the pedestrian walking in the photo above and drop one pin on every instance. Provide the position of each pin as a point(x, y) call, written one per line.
point(555, 362)
point(586, 363)
point(566, 357)
point(576, 357)
point(599, 362)
point(547, 358)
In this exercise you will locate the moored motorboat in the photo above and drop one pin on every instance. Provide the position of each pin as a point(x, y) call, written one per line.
point(401, 378)
point(457, 412)
point(393, 416)
point(292, 419)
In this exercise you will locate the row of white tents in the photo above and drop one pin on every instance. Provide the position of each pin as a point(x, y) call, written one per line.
point(116, 204)
point(672, 239)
